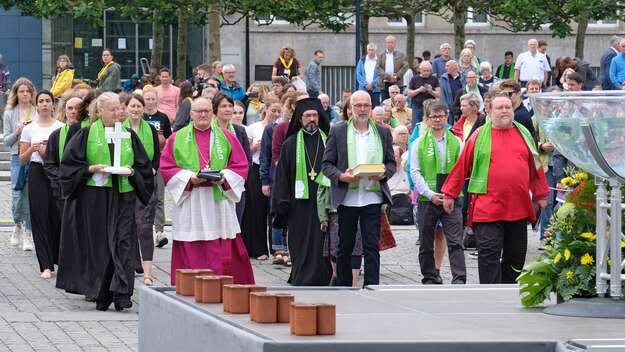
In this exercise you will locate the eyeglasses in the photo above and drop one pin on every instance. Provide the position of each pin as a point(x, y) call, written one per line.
point(361, 106)
point(201, 112)
point(508, 93)
point(437, 117)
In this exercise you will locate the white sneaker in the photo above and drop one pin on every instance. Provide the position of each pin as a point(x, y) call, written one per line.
point(161, 240)
point(16, 236)
point(27, 245)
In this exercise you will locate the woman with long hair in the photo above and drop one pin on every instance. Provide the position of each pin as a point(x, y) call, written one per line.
point(45, 217)
point(63, 77)
point(254, 103)
point(183, 115)
point(144, 213)
point(287, 65)
point(254, 225)
point(20, 111)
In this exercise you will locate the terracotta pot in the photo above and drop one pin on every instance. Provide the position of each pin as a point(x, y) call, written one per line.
point(265, 308)
point(185, 279)
point(210, 288)
point(205, 272)
point(291, 320)
point(255, 288)
point(304, 322)
point(326, 319)
point(224, 280)
point(254, 304)
point(197, 288)
point(284, 306)
point(177, 282)
point(236, 299)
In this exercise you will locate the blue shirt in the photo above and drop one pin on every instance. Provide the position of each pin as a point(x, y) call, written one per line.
point(617, 70)
point(236, 93)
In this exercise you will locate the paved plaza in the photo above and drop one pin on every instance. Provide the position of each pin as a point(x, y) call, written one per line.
point(35, 316)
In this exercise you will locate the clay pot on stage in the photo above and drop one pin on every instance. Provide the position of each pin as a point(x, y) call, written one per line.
point(178, 276)
point(236, 299)
point(284, 306)
point(304, 319)
point(255, 288)
point(186, 280)
point(326, 319)
point(205, 272)
point(223, 281)
point(265, 307)
point(211, 289)
point(197, 288)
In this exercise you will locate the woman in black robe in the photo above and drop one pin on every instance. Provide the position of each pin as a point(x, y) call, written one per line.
point(99, 221)
point(305, 240)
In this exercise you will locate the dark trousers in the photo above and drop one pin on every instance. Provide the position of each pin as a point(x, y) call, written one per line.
point(429, 215)
point(369, 218)
point(501, 246)
point(45, 217)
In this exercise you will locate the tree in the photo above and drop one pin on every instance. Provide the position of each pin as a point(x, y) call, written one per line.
point(455, 12)
point(559, 14)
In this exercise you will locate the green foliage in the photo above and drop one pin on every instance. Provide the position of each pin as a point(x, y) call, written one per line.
point(560, 269)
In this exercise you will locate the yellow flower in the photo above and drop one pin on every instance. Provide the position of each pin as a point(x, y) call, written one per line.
point(622, 244)
point(567, 254)
point(569, 275)
point(580, 176)
point(589, 236)
point(557, 258)
point(587, 259)
point(567, 182)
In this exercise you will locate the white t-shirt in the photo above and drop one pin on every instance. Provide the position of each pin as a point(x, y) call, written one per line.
point(370, 67)
point(255, 133)
point(33, 133)
point(360, 197)
point(532, 66)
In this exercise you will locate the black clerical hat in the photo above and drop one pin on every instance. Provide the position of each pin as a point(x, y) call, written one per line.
point(304, 105)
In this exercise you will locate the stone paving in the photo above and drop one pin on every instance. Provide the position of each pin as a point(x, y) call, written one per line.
point(35, 316)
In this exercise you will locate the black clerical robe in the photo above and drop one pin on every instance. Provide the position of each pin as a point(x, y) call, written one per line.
point(305, 239)
point(52, 162)
point(98, 239)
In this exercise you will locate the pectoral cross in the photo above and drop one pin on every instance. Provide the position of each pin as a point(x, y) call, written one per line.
point(116, 135)
point(312, 174)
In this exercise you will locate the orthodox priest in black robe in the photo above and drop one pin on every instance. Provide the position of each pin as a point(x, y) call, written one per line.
point(98, 240)
point(294, 199)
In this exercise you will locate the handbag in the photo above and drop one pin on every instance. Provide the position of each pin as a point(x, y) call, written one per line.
point(387, 240)
point(22, 178)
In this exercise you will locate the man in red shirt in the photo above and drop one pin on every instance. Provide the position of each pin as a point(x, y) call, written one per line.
point(501, 162)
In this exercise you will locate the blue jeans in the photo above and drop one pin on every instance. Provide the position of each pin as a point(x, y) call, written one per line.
point(277, 237)
point(19, 204)
point(417, 114)
point(375, 98)
point(545, 215)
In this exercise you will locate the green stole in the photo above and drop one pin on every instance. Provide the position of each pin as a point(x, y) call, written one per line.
point(85, 123)
point(478, 183)
point(98, 153)
point(301, 176)
point(375, 154)
point(187, 154)
point(429, 164)
point(62, 139)
point(145, 135)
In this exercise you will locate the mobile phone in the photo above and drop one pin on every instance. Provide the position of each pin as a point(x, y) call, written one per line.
point(253, 95)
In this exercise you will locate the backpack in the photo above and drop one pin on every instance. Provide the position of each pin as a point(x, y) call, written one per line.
point(400, 213)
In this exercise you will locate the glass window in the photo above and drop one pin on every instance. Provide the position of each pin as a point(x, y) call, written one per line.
point(400, 21)
point(476, 17)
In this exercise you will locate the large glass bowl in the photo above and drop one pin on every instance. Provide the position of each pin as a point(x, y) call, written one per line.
point(563, 115)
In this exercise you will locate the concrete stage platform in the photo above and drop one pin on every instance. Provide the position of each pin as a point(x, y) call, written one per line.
point(468, 318)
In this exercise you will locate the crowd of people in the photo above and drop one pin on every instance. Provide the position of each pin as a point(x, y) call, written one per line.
point(268, 172)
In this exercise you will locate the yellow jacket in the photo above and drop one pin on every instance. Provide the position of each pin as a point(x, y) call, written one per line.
point(62, 82)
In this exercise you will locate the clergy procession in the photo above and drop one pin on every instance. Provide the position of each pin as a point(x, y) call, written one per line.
point(277, 175)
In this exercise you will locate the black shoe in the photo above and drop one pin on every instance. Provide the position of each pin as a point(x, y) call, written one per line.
point(438, 280)
point(102, 305)
point(161, 242)
point(122, 303)
point(139, 270)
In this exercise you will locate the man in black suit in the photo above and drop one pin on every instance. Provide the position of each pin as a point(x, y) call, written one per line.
point(359, 141)
point(606, 60)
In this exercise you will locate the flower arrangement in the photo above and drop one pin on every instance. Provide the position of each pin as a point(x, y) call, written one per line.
point(567, 266)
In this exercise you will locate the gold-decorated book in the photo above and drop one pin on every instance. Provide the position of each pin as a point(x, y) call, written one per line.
point(366, 170)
